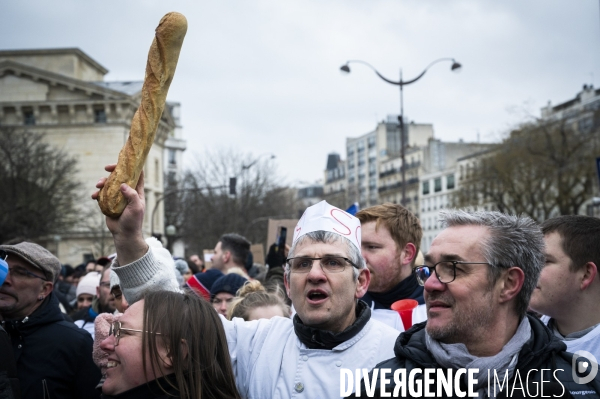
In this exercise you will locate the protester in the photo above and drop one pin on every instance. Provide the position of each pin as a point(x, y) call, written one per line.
point(182, 272)
point(479, 275)
point(102, 301)
point(325, 276)
point(568, 291)
point(253, 302)
point(391, 236)
point(201, 283)
point(121, 303)
point(224, 290)
point(199, 262)
point(232, 250)
point(54, 357)
point(168, 345)
point(86, 290)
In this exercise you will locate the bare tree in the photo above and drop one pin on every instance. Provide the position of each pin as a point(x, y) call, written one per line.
point(543, 168)
point(202, 208)
point(39, 189)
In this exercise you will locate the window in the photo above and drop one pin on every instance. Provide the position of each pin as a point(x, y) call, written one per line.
point(28, 118)
point(172, 158)
point(425, 187)
point(100, 116)
point(450, 182)
point(437, 184)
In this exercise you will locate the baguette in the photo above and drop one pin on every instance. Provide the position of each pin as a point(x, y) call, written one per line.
point(160, 68)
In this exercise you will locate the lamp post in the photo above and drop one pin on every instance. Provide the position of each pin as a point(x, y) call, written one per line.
point(401, 83)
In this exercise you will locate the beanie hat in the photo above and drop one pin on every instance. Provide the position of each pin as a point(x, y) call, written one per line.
point(181, 266)
point(114, 280)
point(202, 282)
point(37, 256)
point(209, 277)
point(229, 283)
point(88, 284)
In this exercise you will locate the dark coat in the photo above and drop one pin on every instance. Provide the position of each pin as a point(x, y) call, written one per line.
point(150, 390)
point(9, 382)
point(54, 356)
point(542, 351)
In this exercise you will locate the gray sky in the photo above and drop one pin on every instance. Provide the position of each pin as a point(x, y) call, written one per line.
point(262, 76)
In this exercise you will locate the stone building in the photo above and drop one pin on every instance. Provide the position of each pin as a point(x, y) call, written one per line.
point(62, 93)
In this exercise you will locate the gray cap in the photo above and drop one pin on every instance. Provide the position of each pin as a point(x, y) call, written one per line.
point(38, 256)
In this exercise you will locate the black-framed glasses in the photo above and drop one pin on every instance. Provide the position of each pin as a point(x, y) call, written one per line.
point(329, 264)
point(115, 329)
point(444, 270)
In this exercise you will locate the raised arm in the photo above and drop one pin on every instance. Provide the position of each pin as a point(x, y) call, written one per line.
point(127, 228)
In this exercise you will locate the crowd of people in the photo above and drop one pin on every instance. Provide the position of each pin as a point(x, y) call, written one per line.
point(495, 292)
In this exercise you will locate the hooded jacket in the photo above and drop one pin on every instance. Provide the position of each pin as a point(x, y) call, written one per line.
point(542, 351)
point(53, 356)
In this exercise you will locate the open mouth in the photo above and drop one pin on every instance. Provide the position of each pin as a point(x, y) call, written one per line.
point(316, 296)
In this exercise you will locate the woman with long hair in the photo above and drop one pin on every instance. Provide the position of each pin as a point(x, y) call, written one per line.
point(168, 345)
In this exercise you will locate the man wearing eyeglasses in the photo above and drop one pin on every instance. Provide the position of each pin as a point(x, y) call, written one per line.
point(53, 356)
point(478, 277)
point(325, 275)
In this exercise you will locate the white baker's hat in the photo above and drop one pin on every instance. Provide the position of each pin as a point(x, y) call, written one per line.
point(325, 217)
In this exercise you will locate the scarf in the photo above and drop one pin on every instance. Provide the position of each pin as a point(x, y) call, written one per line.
point(456, 356)
point(315, 338)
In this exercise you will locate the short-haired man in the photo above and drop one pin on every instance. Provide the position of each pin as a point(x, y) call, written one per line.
point(391, 236)
point(231, 251)
point(479, 275)
point(54, 357)
point(325, 275)
point(568, 290)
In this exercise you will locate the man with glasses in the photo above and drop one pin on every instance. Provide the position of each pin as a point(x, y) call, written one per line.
point(478, 277)
point(53, 356)
point(324, 276)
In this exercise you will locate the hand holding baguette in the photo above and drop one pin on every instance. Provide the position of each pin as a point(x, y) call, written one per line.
point(160, 68)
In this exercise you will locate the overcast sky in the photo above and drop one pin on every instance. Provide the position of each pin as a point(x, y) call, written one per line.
point(262, 76)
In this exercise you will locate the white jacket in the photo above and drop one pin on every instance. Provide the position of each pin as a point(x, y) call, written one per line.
point(269, 361)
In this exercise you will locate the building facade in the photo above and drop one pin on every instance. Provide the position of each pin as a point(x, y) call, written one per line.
point(62, 94)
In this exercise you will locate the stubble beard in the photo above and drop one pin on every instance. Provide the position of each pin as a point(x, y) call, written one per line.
point(465, 324)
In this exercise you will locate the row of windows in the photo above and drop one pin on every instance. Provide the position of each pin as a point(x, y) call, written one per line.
point(437, 184)
point(29, 117)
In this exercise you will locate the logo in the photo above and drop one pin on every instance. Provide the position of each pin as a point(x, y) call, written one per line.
point(582, 363)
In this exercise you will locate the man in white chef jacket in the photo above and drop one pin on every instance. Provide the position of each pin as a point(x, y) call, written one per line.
point(324, 276)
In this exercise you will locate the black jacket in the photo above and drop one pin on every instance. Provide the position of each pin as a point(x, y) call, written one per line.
point(408, 288)
point(542, 351)
point(54, 356)
point(150, 390)
point(9, 382)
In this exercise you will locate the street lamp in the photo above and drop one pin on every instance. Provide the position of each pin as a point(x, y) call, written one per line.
point(401, 83)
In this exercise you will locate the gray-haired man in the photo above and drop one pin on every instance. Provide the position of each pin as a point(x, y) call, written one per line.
point(478, 277)
point(54, 357)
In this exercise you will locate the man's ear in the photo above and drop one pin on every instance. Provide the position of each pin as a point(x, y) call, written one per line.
point(286, 283)
point(226, 256)
point(47, 288)
point(362, 285)
point(410, 253)
point(511, 284)
point(590, 270)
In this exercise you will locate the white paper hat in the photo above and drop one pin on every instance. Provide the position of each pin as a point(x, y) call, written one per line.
point(323, 216)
